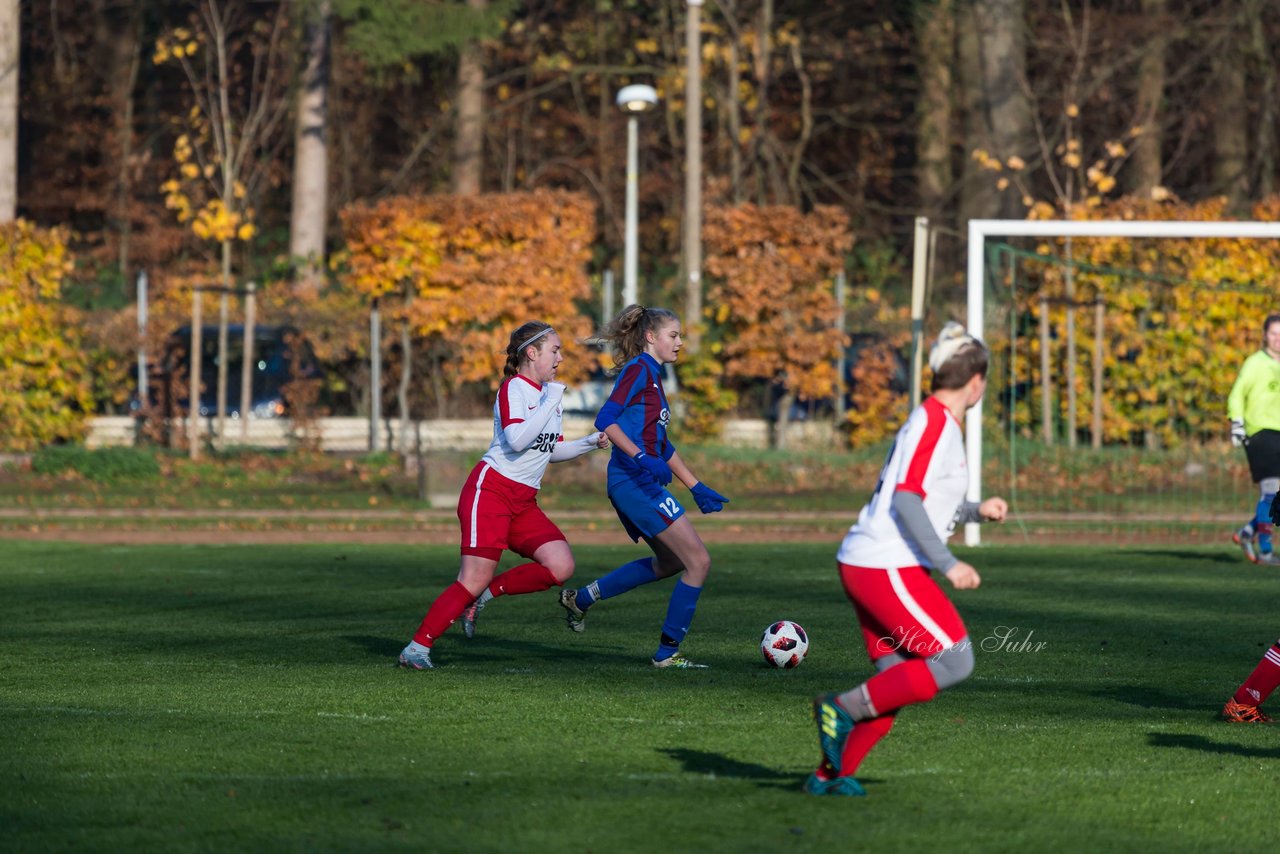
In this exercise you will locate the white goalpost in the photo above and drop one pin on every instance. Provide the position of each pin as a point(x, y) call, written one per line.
point(981, 229)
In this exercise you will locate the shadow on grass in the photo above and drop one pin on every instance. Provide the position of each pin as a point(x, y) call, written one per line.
point(1204, 745)
point(1231, 556)
point(489, 649)
point(1147, 697)
point(716, 765)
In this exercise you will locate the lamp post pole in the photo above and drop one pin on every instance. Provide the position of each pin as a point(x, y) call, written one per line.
point(630, 256)
point(693, 175)
point(633, 100)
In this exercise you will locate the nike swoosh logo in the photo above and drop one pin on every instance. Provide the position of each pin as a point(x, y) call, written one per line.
point(531, 408)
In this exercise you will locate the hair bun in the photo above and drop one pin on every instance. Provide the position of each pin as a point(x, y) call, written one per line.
point(952, 337)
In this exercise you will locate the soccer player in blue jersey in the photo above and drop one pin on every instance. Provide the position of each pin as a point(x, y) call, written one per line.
point(635, 418)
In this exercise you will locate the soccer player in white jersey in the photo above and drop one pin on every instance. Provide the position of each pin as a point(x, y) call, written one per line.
point(498, 508)
point(913, 633)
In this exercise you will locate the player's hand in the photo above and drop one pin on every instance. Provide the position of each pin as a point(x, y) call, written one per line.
point(709, 501)
point(994, 509)
point(655, 466)
point(963, 576)
point(602, 440)
point(1237, 433)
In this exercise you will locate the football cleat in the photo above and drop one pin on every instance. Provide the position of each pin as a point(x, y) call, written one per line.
point(1239, 713)
point(469, 619)
point(418, 659)
point(834, 726)
point(1244, 539)
point(846, 786)
point(678, 662)
point(574, 616)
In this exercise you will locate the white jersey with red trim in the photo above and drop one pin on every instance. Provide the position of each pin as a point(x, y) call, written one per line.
point(519, 400)
point(927, 458)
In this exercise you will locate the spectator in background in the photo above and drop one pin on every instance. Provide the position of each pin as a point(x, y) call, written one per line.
point(1254, 409)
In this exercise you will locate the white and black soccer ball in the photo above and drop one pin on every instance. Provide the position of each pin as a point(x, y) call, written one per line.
point(784, 644)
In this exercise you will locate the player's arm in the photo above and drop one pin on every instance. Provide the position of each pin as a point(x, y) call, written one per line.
point(681, 470)
point(520, 433)
point(707, 499)
point(991, 510)
point(917, 530)
point(573, 449)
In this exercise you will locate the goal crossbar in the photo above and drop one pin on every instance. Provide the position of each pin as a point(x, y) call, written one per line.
point(981, 229)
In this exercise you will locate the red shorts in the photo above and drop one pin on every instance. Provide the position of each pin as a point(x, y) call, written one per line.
point(498, 513)
point(901, 610)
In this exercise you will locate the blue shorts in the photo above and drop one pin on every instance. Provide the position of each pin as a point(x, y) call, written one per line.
point(643, 511)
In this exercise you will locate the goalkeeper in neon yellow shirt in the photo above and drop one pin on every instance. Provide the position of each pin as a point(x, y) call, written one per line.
point(1254, 409)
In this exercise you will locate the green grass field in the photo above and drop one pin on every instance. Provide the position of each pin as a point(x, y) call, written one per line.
point(232, 698)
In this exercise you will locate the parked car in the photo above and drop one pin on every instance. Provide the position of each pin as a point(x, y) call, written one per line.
point(281, 355)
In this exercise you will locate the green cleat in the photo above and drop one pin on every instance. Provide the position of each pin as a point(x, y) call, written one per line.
point(834, 726)
point(678, 662)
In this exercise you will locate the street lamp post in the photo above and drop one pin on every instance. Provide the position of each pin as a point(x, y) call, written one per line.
point(633, 100)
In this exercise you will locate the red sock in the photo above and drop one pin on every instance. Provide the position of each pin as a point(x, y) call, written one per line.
point(525, 578)
point(901, 685)
point(1262, 681)
point(865, 735)
point(448, 607)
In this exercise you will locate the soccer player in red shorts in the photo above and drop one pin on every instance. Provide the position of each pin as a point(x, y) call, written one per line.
point(913, 633)
point(498, 508)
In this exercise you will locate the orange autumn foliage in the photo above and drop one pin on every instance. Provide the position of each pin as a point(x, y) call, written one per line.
point(478, 266)
point(771, 297)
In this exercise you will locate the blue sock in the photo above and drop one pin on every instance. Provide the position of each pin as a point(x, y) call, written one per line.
point(684, 601)
point(1262, 523)
point(626, 577)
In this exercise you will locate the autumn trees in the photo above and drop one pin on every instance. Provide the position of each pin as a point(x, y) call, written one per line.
point(877, 109)
point(44, 379)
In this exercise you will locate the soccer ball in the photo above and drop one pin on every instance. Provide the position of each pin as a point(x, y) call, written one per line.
point(784, 644)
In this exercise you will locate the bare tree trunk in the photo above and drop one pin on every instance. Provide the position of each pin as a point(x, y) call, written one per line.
point(1148, 164)
point(1231, 125)
point(309, 217)
point(937, 56)
point(998, 116)
point(762, 53)
point(468, 144)
point(10, 18)
point(1265, 147)
point(735, 117)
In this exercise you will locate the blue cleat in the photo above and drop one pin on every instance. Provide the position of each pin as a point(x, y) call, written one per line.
point(834, 726)
point(846, 786)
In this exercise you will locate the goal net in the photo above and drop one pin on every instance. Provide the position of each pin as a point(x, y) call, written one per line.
point(1114, 346)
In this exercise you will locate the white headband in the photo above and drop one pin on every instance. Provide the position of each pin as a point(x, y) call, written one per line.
point(520, 349)
point(950, 340)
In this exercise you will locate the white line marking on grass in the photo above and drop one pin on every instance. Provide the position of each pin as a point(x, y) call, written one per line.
point(354, 717)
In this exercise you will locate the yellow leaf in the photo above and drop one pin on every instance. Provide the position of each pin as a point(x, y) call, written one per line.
point(1072, 110)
